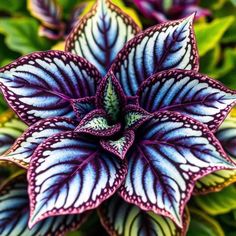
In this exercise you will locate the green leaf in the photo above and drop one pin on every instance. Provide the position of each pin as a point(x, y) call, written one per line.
point(12, 5)
point(203, 225)
point(218, 202)
point(209, 34)
point(22, 35)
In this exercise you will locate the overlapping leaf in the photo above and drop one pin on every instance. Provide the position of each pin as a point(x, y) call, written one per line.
point(101, 34)
point(14, 213)
point(162, 47)
point(123, 219)
point(69, 174)
point(172, 152)
point(41, 85)
point(189, 93)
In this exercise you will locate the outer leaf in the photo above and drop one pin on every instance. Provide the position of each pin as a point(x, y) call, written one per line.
point(101, 34)
point(10, 129)
point(162, 47)
point(110, 97)
point(121, 145)
point(172, 153)
point(123, 219)
point(24, 147)
point(189, 93)
point(96, 123)
point(41, 85)
point(14, 213)
point(70, 174)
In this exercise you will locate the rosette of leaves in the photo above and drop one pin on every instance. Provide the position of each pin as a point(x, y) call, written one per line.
point(120, 111)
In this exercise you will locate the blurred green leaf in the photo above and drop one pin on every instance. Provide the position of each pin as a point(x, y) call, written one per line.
point(22, 35)
point(12, 5)
point(209, 34)
point(218, 202)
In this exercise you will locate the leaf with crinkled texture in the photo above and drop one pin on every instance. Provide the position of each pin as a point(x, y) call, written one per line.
point(14, 213)
point(110, 97)
point(162, 47)
point(69, 174)
point(96, 123)
point(171, 153)
point(10, 129)
point(119, 146)
point(123, 219)
point(40, 85)
point(24, 147)
point(189, 93)
point(101, 34)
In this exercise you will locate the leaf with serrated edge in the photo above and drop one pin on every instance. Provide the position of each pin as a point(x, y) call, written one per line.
point(123, 219)
point(162, 47)
point(173, 151)
point(14, 213)
point(189, 93)
point(24, 147)
point(41, 84)
point(101, 34)
point(69, 174)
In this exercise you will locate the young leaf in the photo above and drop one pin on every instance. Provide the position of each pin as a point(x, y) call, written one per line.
point(189, 93)
point(14, 213)
point(162, 47)
point(101, 34)
point(69, 174)
point(22, 150)
point(123, 219)
point(173, 151)
point(41, 84)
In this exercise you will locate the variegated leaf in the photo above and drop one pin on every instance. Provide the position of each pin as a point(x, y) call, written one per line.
point(189, 93)
point(123, 219)
point(40, 85)
point(101, 34)
point(24, 147)
point(52, 34)
point(173, 151)
point(96, 123)
point(14, 214)
point(70, 174)
point(119, 146)
point(162, 47)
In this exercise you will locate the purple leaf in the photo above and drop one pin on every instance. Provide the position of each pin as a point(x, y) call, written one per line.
point(101, 34)
point(42, 84)
point(110, 97)
point(162, 47)
point(189, 93)
point(24, 147)
point(70, 174)
point(119, 146)
point(14, 213)
point(120, 218)
point(172, 153)
point(96, 123)
point(53, 34)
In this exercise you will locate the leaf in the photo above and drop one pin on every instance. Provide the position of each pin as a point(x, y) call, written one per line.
point(52, 34)
point(110, 97)
point(70, 174)
point(41, 84)
point(10, 129)
point(171, 153)
point(96, 123)
point(162, 47)
point(14, 213)
point(218, 202)
point(123, 219)
point(15, 5)
point(189, 93)
point(22, 35)
point(209, 34)
point(101, 34)
point(119, 146)
point(203, 225)
point(24, 147)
